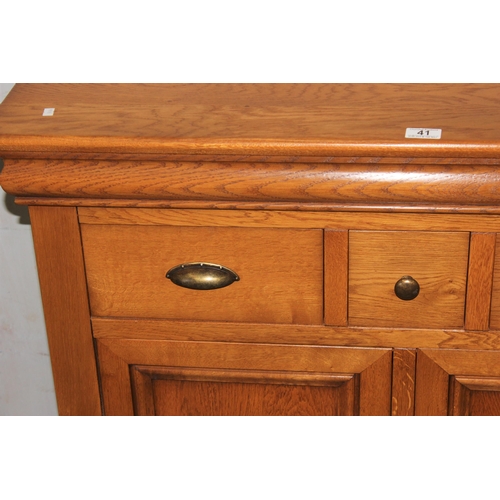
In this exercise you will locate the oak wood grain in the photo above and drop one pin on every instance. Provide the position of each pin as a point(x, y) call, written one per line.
point(403, 382)
point(238, 119)
point(59, 259)
point(437, 261)
point(246, 205)
point(245, 356)
point(294, 334)
point(457, 382)
point(375, 387)
point(296, 367)
point(480, 281)
point(115, 380)
point(253, 158)
point(481, 363)
point(495, 294)
point(480, 383)
point(253, 182)
point(280, 271)
point(337, 220)
point(384, 96)
point(141, 380)
point(475, 396)
point(313, 195)
point(187, 391)
point(431, 387)
point(336, 268)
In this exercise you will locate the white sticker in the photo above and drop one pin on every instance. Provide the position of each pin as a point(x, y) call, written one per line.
point(48, 111)
point(423, 133)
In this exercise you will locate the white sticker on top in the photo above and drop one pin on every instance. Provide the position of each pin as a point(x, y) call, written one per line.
point(423, 133)
point(48, 111)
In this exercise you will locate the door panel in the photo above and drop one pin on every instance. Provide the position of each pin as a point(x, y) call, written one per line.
point(184, 391)
point(211, 378)
point(454, 382)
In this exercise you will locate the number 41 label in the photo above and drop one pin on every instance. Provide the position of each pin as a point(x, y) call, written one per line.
point(423, 133)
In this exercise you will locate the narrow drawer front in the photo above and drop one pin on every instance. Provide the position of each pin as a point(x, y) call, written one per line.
point(279, 273)
point(407, 278)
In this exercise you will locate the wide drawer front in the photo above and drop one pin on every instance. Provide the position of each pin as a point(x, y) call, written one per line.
point(280, 273)
point(408, 279)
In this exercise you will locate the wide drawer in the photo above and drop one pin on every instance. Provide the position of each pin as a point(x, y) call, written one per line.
point(429, 267)
point(280, 273)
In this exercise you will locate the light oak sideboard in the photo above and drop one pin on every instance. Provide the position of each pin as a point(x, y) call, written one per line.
point(258, 249)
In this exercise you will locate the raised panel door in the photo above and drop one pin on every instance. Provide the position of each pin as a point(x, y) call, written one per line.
point(456, 382)
point(211, 378)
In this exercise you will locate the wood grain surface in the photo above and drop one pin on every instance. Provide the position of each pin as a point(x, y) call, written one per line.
point(313, 195)
point(254, 182)
point(495, 299)
point(283, 119)
point(65, 303)
point(152, 329)
point(437, 261)
point(294, 365)
point(338, 220)
point(480, 281)
point(280, 270)
point(403, 382)
point(187, 391)
point(474, 396)
point(456, 382)
point(336, 275)
point(431, 389)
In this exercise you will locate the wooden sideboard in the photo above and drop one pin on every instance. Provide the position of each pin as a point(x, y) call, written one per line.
point(285, 249)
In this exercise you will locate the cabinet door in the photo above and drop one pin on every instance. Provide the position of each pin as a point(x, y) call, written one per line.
point(145, 377)
point(455, 382)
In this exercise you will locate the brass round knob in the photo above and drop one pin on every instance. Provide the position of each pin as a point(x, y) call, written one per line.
point(406, 288)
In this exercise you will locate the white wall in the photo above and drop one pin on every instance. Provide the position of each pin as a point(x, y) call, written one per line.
point(26, 385)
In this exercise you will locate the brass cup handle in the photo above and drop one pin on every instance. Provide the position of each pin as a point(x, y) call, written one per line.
point(407, 288)
point(202, 276)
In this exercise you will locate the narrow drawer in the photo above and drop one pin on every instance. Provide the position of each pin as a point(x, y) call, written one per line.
point(429, 268)
point(280, 273)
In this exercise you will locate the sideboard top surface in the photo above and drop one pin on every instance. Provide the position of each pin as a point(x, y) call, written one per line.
point(274, 119)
